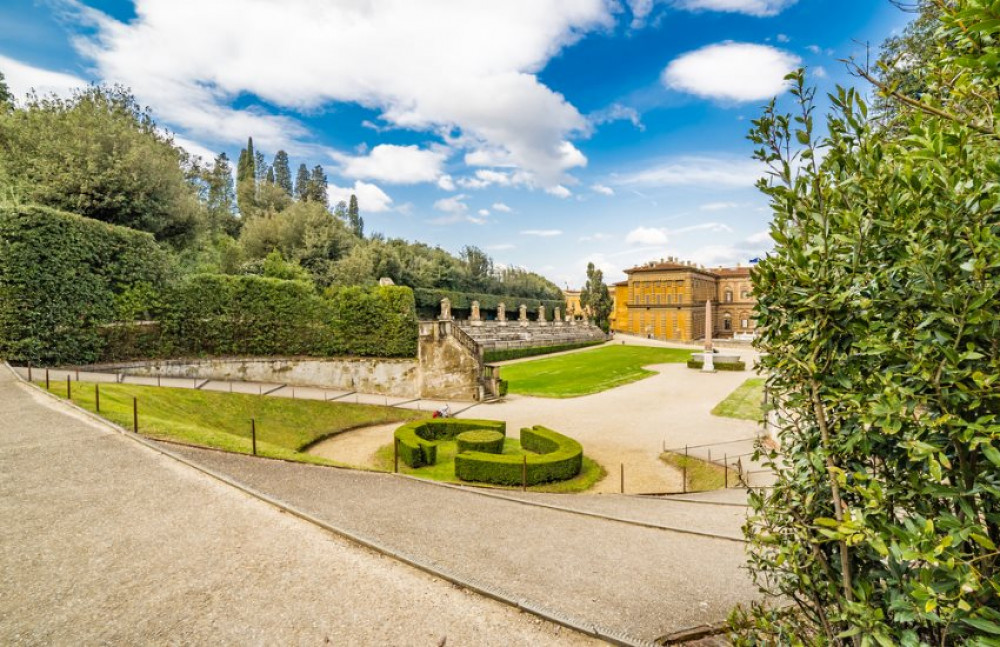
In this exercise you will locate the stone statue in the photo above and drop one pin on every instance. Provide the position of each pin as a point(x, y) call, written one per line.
point(523, 316)
point(541, 315)
point(502, 314)
point(474, 318)
point(445, 309)
point(557, 317)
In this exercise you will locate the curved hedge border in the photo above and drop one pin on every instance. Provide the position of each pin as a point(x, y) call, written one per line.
point(504, 354)
point(559, 458)
point(416, 439)
point(480, 440)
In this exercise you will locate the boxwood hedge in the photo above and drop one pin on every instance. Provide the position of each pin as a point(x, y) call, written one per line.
point(719, 366)
point(480, 440)
point(504, 354)
point(558, 458)
point(415, 440)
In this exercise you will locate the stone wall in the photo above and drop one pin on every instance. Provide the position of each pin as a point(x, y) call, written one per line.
point(494, 335)
point(395, 377)
point(451, 366)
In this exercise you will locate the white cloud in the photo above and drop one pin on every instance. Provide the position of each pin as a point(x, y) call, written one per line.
point(446, 182)
point(731, 71)
point(370, 197)
point(544, 233)
point(483, 212)
point(488, 177)
point(195, 149)
point(759, 237)
point(595, 237)
point(476, 84)
point(395, 164)
point(718, 206)
point(815, 49)
point(501, 207)
point(783, 38)
point(716, 227)
point(759, 8)
point(603, 190)
point(819, 72)
point(21, 78)
point(640, 9)
point(616, 112)
point(647, 236)
point(453, 205)
point(559, 191)
point(715, 172)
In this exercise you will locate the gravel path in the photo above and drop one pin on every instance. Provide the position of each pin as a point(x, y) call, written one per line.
point(628, 580)
point(105, 541)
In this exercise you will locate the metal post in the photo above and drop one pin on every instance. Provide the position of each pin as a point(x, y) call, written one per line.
point(293, 392)
point(69, 388)
point(77, 375)
point(135, 415)
point(623, 478)
point(709, 454)
point(253, 435)
point(684, 485)
point(739, 468)
point(524, 473)
point(725, 471)
point(395, 455)
point(29, 372)
point(48, 387)
point(97, 398)
point(158, 381)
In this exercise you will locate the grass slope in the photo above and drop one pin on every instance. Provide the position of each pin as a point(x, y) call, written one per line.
point(444, 469)
point(587, 372)
point(222, 420)
point(702, 476)
point(745, 403)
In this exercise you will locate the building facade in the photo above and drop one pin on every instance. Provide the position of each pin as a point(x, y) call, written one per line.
point(666, 300)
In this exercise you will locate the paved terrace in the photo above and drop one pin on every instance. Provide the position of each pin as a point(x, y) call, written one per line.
point(108, 540)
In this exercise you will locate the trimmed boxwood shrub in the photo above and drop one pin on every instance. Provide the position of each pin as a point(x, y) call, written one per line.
point(719, 366)
point(416, 440)
point(558, 458)
point(429, 299)
point(63, 276)
point(481, 440)
point(504, 354)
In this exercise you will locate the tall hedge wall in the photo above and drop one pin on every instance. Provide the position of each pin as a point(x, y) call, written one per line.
point(428, 298)
point(252, 315)
point(63, 276)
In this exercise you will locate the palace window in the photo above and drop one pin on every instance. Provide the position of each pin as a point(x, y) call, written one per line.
point(727, 323)
point(729, 296)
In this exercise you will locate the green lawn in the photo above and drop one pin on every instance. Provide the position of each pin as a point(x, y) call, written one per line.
point(444, 469)
point(587, 372)
point(702, 476)
point(222, 420)
point(745, 403)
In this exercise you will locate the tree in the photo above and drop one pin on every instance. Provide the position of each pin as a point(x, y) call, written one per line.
point(318, 185)
point(99, 155)
point(282, 172)
point(302, 183)
point(879, 314)
point(220, 198)
point(5, 95)
point(354, 219)
point(246, 180)
point(596, 298)
point(478, 267)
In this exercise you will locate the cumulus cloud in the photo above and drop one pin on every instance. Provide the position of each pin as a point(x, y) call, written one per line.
point(476, 85)
point(616, 112)
point(395, 164)
point(21, 78)
point(370, 197)
point(559, 191)
point(501, 207)
point(603, 190)
point(759, 8)
point(544, 233)
point(731, 71)
point(647, 236)
point(483, 212)
point(453, 205)
point(446, 182)
point(728, 172)
point(755, 246)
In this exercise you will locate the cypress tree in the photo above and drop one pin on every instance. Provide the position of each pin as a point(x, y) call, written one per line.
point(282, 172)
point(221, 199)
point(318, 185)
point(246, 179)
point(302, 184)
point(260, 167)
point(354, 220)
point(270, 175)
point(5, 95)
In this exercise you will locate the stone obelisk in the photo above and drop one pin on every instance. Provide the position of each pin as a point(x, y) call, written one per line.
point(709, 365)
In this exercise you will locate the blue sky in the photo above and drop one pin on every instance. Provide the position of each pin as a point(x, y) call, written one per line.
point(548, 132)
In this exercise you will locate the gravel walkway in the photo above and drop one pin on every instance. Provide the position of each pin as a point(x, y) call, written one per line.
point(105, 541)
point(626, 580)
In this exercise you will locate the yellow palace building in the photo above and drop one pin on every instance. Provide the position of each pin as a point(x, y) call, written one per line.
point(666, 300)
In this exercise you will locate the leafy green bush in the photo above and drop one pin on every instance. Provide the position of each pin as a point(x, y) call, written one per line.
point(559, 458)
point(416, 439)
point(719, 366)
point(62, 277)
point(481, 440)
point(504, 388)
point(504, 354)
point(380, 322)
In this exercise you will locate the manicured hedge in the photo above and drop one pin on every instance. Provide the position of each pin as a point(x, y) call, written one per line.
point(63, 276)
point(416, 439)
point(381, 322)
point(504, 354)
point(719, 366)
point(481, 440)
point(559, 458)
point(428, 298)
